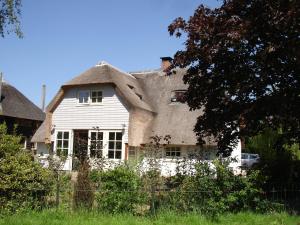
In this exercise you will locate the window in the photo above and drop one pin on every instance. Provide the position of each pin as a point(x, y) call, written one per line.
point(178, 96)
point(173, 152)
point(132, 152)
point(96, 96)
point(96, 146)
point(83, 96)
point(62, 143)
point(115, 145)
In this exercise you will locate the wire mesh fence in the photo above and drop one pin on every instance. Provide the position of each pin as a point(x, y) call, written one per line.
point(141, 201)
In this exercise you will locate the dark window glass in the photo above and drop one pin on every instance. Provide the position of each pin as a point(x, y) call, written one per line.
point(118, 154)
point(111, 135)
point(111, 145)
point(111, 154)
point(118, 145)
point(119, 136)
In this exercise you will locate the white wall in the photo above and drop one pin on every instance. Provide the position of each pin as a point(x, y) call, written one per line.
point(111, 114)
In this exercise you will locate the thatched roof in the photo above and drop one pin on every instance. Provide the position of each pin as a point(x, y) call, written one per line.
point(15, 104)
point(40, 134)
point(104, 73)
point(174, 119)
point(155, 88)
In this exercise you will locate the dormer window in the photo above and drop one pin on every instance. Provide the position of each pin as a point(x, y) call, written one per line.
point(178, 96)
point(96, 96)
point(83, 96)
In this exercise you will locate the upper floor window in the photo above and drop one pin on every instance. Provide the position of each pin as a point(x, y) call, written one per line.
point(83, 96)
point(96, 96)
point(87, 96)
point(178, 96)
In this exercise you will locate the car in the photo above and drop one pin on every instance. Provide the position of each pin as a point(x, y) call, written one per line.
point(249, 159)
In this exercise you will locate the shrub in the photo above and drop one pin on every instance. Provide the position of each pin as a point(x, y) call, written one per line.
point(118, 189)
point(215, 189)
point(83, 189)
point(24, 184)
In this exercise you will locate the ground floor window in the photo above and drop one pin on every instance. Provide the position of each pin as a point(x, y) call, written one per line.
point(132, 153)
point(173, 152)
point(115, 145)
point(62, 143)
point(96, 146)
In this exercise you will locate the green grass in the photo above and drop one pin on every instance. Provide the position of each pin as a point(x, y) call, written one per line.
point(52, 217)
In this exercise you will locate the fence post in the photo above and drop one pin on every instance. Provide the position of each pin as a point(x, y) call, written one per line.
point(57, 190)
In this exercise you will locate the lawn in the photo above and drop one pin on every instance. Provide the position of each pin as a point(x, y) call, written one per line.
point(60, 218)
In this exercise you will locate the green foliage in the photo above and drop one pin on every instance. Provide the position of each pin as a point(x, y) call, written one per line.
point(54, 217)
point(118, 190)
point(242, 68)
point(83, 189)
point(24, 184)
point(9, 21)
point(214, 189)
point(281, 165)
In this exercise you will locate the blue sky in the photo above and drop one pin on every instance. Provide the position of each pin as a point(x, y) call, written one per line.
point(63, 38)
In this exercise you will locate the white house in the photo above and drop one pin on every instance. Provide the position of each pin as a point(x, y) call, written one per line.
point(121, 111)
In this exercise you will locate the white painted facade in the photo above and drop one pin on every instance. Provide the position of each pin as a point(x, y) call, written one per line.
point(110, 115)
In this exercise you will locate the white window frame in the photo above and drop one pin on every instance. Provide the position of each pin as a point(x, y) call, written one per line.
point(106, 143)
point(115, 150)
point(173, 149)
point(91, 98)
point(90, 142)
point(78, 97)
point(69, 141)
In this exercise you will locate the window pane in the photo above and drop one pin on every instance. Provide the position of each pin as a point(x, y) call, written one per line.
point(66, 135)
point(66, 144)
point(111, 145)
point(83, 96)
point(118, 154)
point(94, 94)
point(119, 136)
point(58, 151)
point(111, 154)
point(93, 135)
point(59, 135)
point(92, 153)
point(100, 135)
point(111, 135)
point(99, 153)
point(99, 145)
point(99, 99)
point(65, 152)
point(118, 145)
point(59, 144)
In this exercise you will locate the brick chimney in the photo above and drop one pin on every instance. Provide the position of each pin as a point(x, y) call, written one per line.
point(166, 62)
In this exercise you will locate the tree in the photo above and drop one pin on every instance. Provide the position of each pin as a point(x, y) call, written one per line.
point(243, 69)
point(24, 184)
point(9, 17)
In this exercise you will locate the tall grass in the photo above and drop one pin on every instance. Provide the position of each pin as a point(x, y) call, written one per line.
point(55, 217)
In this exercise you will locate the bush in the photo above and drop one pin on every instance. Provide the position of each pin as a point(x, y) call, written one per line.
point(215, 190)
point(24, 184)
point(118, 190)
point(83, 189)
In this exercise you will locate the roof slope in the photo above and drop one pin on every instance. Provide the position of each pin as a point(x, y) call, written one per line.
point(174, 119)
point(40, 134)
point(15, 104)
